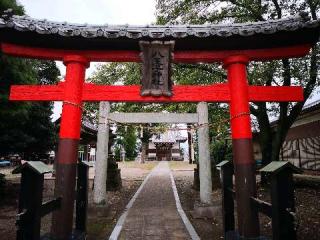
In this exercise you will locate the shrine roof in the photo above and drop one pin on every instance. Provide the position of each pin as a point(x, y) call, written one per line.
point(27, 31)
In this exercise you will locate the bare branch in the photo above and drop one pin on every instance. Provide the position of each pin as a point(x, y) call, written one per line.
point(313, 8)
point(308, 88)
point(254, 111)
point(278, 8)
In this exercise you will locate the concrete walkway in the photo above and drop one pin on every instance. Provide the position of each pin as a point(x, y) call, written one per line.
point(154, 214)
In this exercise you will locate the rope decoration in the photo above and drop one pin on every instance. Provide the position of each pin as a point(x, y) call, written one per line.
point(240, 115)
point(192, 128)
point(74, 104)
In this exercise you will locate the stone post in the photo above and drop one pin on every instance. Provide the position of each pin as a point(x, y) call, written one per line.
point(192, 147)
point(122, 154)
point(204, 154)
point(101, 165)
point(189, 143)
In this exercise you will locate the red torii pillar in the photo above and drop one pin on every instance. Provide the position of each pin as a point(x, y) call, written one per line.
point(244, 164)
point(65, 182)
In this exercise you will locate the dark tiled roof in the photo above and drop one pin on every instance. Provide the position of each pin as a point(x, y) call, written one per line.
point(311, 106)
point(25, 23)
point(88, 125)
point(27, 31)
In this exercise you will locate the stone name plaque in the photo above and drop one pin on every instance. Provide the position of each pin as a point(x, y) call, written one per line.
point(156, 68)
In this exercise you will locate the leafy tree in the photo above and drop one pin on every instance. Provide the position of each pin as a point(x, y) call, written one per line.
point(302, 71)
point(285, 72)
point(13, 115)
point(25, 127)
point(126, 137)
point(11, 4)
point(39, 127)
point(221, 150)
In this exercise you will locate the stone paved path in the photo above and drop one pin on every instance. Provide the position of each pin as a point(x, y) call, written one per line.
point(154, 214)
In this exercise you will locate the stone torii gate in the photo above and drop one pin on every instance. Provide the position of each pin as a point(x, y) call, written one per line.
point(233, 45)
point(201, 117)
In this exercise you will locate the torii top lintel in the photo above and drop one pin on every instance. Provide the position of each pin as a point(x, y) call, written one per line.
point(26, 37)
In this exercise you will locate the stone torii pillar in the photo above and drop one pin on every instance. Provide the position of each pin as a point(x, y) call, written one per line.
point(101, 165)
point(204, 154)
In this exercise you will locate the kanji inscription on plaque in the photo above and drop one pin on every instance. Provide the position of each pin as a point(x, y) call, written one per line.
point(156, 68)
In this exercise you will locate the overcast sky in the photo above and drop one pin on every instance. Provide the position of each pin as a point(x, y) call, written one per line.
point(92, 11)
point(133, 12)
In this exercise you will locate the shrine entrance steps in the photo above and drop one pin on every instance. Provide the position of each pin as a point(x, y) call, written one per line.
point(156, 212)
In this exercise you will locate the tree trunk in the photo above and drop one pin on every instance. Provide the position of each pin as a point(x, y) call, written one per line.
point(265, 134)
point(265, 137)
point(271, 143)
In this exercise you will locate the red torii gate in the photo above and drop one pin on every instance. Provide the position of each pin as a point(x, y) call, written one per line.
point(73, 92)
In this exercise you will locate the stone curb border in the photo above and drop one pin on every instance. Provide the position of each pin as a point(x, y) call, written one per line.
point(193, 234)
point(117, 229)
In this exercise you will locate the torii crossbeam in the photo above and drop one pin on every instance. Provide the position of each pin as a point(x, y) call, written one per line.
point(208, 93)
point(233, 45)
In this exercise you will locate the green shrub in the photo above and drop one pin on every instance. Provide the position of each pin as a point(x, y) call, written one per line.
point(221, 151)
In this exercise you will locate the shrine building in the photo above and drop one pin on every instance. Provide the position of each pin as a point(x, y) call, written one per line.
point(301, 146)
point(166, 147)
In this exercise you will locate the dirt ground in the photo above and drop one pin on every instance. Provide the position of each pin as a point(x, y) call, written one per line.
point(307, 208)
point(307, 213)
point(101, 220)
point(183, 175)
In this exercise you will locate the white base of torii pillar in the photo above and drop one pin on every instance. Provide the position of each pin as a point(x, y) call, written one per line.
point(101, 164)
point(204, 154)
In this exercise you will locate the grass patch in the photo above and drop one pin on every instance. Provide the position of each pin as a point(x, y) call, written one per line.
point(132, 164)
point(181, 165)
point(98, 228)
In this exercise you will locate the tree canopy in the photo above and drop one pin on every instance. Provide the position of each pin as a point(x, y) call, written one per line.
point(25, 127)
point(286, 72)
